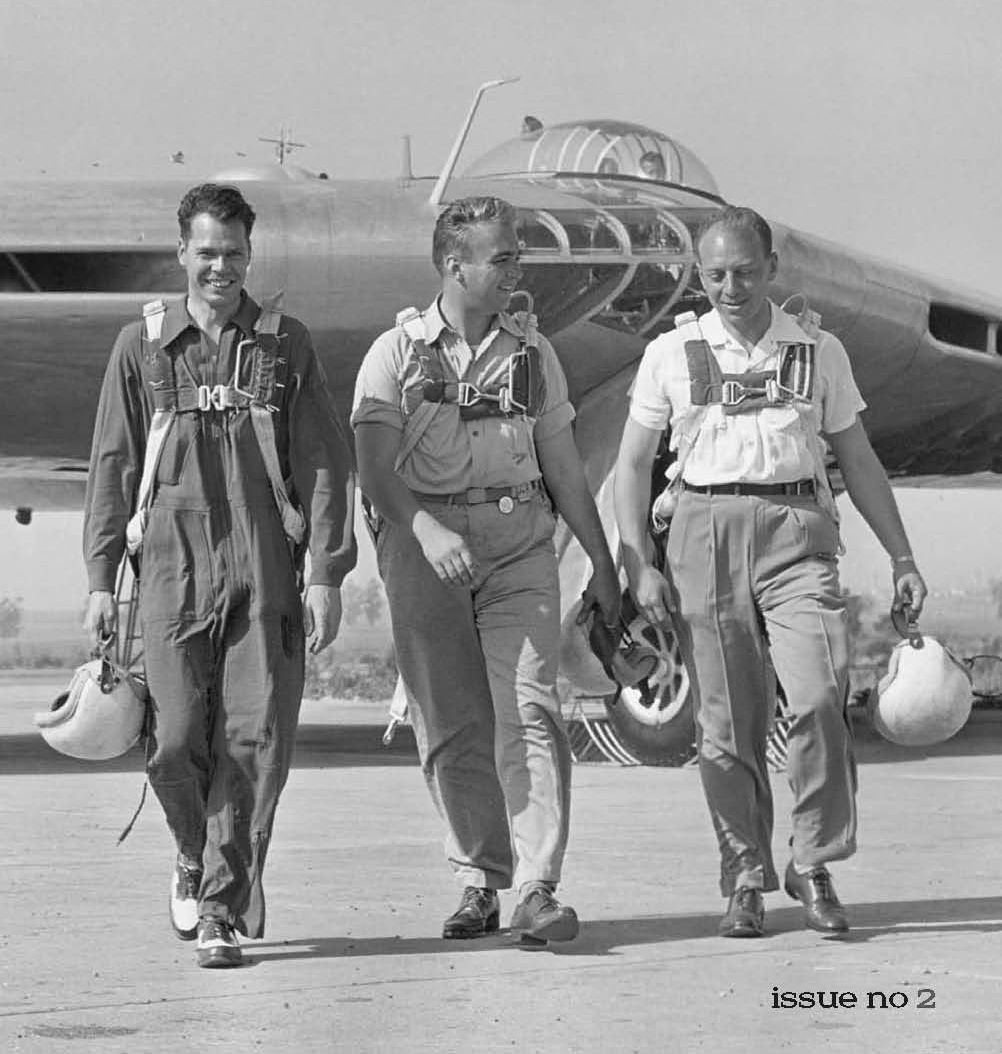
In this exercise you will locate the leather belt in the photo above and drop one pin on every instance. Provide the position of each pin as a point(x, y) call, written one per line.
point(504, 497)
point(801, 486)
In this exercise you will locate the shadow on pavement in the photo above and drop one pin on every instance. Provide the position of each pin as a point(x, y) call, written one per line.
point(317, 746)
point(332, 745)
point(604, 937)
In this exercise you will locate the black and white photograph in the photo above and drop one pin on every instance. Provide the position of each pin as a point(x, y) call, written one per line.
point(500, 514)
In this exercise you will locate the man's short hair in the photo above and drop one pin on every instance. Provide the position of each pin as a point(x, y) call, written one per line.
point(222, 202)
point(454, 222)
point(737, 218)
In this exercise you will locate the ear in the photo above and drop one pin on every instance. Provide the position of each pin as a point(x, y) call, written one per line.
point(454, 268)
point(773, 266)
point(181, 246)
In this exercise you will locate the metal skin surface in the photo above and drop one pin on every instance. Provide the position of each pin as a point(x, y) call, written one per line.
point(346, 256)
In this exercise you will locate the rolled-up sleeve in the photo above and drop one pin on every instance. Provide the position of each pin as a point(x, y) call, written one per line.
point(841, 400)
point(323, 472)
point(377, 386)
point(556, 412)
point(649, 403)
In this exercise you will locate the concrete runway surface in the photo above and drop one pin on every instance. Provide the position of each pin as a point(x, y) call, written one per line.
point(357, 890)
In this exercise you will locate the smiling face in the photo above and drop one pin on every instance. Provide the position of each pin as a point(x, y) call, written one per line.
point(487, 269)
point(736, 271)
point(215, 258)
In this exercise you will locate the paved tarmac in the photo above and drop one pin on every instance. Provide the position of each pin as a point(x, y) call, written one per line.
point(357, 889)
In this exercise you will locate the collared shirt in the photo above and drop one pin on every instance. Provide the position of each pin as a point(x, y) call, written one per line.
point(453, 454)
point(762, 446)
point(213, 458)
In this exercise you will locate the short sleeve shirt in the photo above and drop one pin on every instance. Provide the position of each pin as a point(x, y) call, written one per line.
point(762, 446)
point(453, 454)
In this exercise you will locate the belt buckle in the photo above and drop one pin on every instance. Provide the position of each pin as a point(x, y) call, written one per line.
point(506, 504)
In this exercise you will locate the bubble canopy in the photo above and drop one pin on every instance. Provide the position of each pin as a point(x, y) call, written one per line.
point(609, 149)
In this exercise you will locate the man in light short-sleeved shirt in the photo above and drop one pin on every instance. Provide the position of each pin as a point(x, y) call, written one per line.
point(462, 427)
point(752, 578)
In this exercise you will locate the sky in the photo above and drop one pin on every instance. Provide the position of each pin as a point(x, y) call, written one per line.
point(870, 122)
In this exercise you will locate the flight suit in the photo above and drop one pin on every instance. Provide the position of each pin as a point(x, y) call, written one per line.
point(219, 584)
point(479, 662)
point(752, 553)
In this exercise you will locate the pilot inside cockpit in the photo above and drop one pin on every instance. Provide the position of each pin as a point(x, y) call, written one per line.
point(652, 166)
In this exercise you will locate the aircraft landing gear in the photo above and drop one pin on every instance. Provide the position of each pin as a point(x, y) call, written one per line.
point(654, 721)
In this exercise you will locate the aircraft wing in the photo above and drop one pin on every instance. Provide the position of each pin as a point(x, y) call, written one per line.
point(608, 258)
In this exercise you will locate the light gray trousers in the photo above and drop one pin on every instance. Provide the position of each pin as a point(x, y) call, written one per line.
point(756, 578)
point(480, 665)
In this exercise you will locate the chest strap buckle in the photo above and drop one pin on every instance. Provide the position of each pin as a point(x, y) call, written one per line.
point(221, 397)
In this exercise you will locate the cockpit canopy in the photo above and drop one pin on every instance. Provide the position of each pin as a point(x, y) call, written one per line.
point(609, 149)
point(607, 212)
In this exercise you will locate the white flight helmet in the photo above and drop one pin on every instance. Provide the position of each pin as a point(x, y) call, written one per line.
point(100, 715)
point(925, 696)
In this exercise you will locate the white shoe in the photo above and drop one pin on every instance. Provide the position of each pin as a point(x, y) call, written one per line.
point(217, 944)
point(184, 886)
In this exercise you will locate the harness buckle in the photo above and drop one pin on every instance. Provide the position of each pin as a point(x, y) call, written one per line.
point(238, 362)
point(467, 394)
point(219, 397)
point(732, 393)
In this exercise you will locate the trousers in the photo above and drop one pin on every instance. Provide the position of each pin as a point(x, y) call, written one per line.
point(756, 582)
point(224, 653)
point(479, 664)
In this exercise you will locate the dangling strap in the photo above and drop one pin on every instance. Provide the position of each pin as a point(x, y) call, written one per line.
point(293, 522)
point(136, 527)
point(411, 321)
point(153, 321)
point(264, 429)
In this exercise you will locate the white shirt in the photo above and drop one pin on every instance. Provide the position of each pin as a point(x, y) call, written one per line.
point(761, 446)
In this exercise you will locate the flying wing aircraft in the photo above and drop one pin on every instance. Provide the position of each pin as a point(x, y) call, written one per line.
point(608, 258)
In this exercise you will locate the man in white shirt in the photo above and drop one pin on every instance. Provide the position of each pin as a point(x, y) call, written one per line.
point(751, 395)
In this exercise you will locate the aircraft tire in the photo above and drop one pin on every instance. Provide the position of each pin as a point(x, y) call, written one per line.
point(656, 726)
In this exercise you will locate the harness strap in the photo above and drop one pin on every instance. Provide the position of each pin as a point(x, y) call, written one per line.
point(411, 321)
point(293, 522)
point(136, 527)
point(153, 318)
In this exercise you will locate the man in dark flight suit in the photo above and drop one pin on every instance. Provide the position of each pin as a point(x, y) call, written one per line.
point(224, 628)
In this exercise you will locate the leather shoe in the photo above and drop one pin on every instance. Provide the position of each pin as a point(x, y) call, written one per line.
point(217, 945)
point(745, 916)
point(816, 892)
point(479, 912)
point(541, 916)
point(185, 881)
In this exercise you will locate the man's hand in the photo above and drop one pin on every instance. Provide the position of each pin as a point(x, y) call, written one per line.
point(321, 616)
point(602, 591)
point(446, 551)
point(909, 592)
point(653, 596)
point(101, 615)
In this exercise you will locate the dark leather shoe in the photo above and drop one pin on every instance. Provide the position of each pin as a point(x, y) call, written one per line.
point(745, 916)
point(479, 912)
point(540, 915)
point(816, 892)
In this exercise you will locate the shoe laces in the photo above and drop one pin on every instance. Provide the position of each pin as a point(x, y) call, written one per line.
point(189, 880)
point(476, 897)
point(543, 894)
point(215, 930)
point(745, 898)
point(821, 879)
